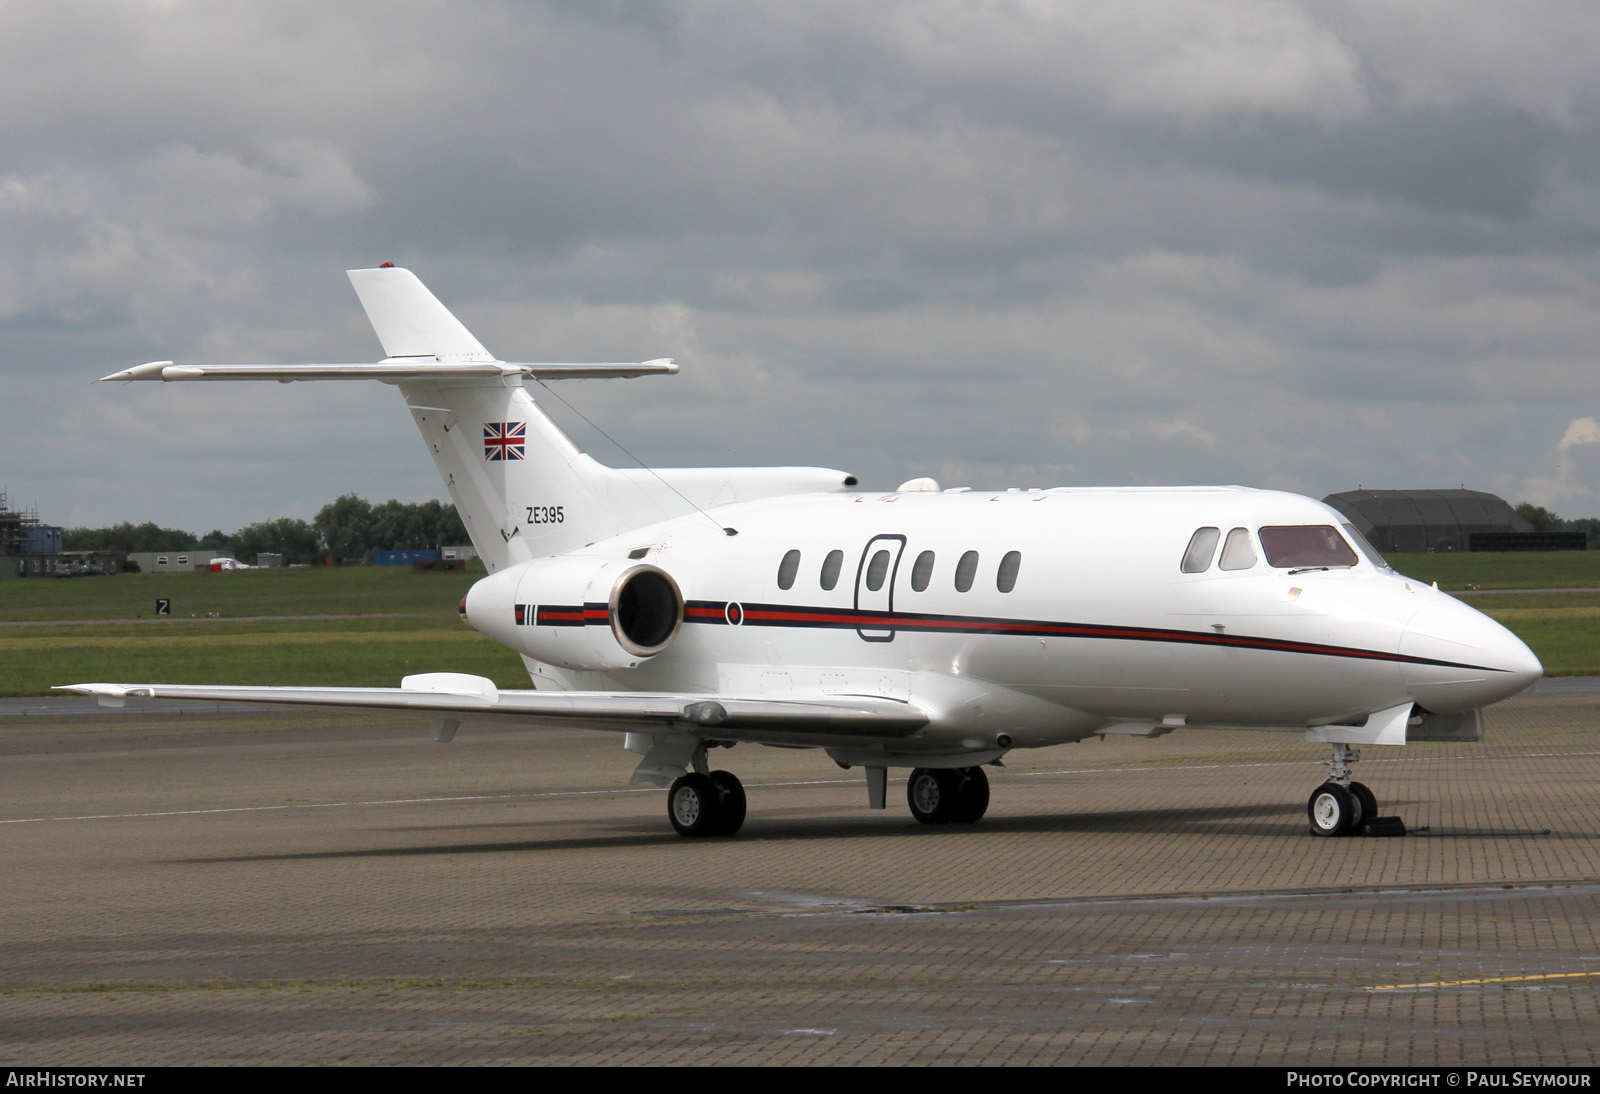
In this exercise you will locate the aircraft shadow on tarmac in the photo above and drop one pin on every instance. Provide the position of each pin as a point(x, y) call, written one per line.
point(1274, 821)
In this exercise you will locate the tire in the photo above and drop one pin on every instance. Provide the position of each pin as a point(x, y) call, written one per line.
point(694, 806)
point(932, 794)
point(1331, 810)
point(972, 799)
point(1367, 801)
point(731, 800)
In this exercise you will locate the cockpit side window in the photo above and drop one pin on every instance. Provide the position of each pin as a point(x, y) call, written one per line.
point(1202, 547)
point(1238, 553)
point(1305, 545)
point(1365, 547)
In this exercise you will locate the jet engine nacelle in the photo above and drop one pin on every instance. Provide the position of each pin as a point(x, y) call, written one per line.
point(579, 613)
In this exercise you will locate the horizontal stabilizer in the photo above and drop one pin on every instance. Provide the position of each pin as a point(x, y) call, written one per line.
point(395, 371)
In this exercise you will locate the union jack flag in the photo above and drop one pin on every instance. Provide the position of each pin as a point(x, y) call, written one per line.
point(504, 440)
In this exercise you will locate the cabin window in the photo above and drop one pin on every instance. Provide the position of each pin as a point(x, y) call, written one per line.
point(877, 570)
point(787, 569)
point(1006, 578)
point(1238, 553)
point(1305, 545)
point(830, 569)
point(966, 570)
point(1202, 546)
point(922, 572)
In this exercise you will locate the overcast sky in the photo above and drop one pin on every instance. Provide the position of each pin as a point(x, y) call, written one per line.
point(1304, 246)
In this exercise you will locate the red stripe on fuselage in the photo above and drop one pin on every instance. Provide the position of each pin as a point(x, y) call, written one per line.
point(846, 618)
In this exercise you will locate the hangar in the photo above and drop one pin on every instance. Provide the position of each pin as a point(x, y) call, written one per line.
point(1418, 521)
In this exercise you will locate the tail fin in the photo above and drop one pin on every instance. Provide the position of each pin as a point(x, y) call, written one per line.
point(522, 488)
point(410, 321)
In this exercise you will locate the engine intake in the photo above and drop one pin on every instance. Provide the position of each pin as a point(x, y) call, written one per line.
point(646, 610)
point(580, 613)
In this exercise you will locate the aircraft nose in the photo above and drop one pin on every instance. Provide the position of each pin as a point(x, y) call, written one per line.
point(1459, 658)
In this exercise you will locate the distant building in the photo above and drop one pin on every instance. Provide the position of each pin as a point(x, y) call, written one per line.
point(463, 552)
point(42, 539)
point(403, 558)
point(171, 562)
point(1419, 521)
point(22, 533)
point(31, 548)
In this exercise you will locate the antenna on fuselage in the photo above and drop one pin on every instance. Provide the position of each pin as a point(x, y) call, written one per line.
point(635, 459)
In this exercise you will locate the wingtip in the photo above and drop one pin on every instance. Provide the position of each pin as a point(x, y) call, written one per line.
point(151, 370)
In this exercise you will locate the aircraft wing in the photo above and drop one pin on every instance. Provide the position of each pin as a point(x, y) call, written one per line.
point(459, 696)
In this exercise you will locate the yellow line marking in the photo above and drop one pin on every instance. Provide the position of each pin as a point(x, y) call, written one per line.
point(1486, 980)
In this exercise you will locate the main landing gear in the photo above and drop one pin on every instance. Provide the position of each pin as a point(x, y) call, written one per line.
point(702, 802)
point(1340, 807)
point(706, 804)
point(940, 795)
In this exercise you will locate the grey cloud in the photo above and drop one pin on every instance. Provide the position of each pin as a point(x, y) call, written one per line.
point(1476, 158)
point(1020, 243)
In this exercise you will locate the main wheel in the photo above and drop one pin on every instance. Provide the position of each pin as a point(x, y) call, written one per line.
point(972, 799)
point(932, 794)
point(730, 792)
point(1368, 802)
point(1332, 810)
point(694, 806)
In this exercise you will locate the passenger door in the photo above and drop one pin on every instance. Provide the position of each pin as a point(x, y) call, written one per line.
point(875, 578)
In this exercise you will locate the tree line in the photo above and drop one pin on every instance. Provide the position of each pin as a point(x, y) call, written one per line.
point(1543, 520)
point(347, 529)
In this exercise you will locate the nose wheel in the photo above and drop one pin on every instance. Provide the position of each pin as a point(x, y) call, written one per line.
point(1366, 800)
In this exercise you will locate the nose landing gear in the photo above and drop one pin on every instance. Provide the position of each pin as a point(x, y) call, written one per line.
point(1340, 807)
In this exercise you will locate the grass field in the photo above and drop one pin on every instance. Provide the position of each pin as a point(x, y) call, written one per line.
point(258, 627)
point(244, 628)
point(1504, 569)
point(311, 590)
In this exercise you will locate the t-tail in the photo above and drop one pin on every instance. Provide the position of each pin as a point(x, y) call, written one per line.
point(521, 486)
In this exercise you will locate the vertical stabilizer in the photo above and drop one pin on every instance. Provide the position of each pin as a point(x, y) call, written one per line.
point(522, 488)
point(409, 319)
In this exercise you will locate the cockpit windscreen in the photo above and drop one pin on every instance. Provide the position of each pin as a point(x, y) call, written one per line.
point(1308, 545)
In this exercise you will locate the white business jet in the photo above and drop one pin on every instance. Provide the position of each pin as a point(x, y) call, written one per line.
point(937, 630)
